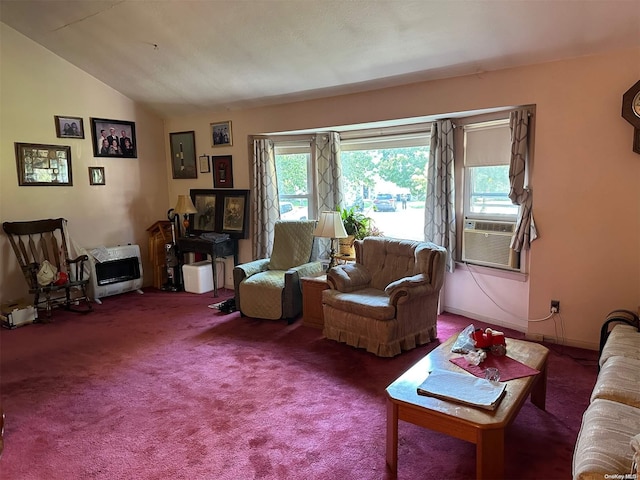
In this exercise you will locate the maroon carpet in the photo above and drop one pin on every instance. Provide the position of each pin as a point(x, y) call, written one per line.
point(158, 386)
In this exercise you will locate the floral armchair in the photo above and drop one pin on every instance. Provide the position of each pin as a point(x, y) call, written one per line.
point(387, 301)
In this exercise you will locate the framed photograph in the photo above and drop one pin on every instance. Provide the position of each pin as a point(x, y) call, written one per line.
point(69, 127)
point(221, 134)
point(207, 219)
point(96, 176)
point(235, 213)
point(222, 171)
point(183, 154)
point(205, 166)
point(43, 165)
point(113, 138)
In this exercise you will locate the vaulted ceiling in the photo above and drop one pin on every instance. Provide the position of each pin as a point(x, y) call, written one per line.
point(180, 56)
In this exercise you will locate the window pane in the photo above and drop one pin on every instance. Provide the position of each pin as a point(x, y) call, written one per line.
point(489, 191)
point(293, 186)
point(388, 185)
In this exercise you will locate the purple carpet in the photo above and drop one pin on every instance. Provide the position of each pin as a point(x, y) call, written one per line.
point(158, 386)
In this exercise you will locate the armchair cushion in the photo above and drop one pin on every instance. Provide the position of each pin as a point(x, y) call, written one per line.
point(293, 246)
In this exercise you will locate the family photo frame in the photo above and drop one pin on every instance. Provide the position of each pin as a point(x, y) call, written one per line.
point(96, 176)
point(183, 154)
point(113, 138)
point(221, 135)
point(69, 127)
point(43, 165)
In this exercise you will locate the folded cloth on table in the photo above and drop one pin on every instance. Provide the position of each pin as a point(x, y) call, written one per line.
point(508, 367)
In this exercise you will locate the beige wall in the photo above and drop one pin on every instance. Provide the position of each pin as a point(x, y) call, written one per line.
point(585, 182)
point(35, 86)
point(585, 175)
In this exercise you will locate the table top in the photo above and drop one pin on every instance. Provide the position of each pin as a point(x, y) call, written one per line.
point(404, 389)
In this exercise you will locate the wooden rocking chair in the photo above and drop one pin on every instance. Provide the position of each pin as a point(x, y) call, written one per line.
point(39, 240)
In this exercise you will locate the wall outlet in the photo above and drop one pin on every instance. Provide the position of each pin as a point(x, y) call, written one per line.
point(555, 306)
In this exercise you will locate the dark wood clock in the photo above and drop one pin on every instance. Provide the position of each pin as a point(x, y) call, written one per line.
point(631, 112)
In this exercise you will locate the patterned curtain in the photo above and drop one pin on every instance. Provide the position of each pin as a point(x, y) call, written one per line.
point(440, 213)
point(265, 207)
point(329, 179)
point(520, 193)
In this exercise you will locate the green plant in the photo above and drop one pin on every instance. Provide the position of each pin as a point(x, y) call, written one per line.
point(355, 223)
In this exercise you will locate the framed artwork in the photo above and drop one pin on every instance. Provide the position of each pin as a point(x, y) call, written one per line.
point(222, 171)
point(69, 127)
point(221, 134)
point(205, 166)
point(96, 176)
point(207, 219)
point(183, 154)
point(43, 165)
point(113, 138)
point(235, 213)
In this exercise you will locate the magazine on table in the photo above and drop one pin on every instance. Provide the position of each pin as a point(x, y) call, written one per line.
point(463, 388)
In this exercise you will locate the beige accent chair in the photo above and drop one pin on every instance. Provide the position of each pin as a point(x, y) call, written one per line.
point(387, 301)
point(270, 288)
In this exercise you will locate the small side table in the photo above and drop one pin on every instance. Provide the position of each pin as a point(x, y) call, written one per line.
point(312, 288)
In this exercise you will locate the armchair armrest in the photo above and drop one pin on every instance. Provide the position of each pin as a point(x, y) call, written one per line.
point(306, 269)
point(349, 277)
point(292, 293)
point(409, 287)
point(245, 270)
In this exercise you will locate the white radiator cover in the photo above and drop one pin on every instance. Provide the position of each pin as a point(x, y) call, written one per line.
point(110, 254)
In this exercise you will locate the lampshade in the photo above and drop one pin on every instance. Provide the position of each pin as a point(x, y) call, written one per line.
point(330, 226)
point(184, 205)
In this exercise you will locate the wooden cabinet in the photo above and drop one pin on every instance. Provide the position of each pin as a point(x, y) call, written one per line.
point(159, 236)
point(312, 288)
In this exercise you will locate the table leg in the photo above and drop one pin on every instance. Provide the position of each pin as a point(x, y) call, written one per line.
point(490, 454)
point(392, 436)
point(214, 270)
point(539, 388)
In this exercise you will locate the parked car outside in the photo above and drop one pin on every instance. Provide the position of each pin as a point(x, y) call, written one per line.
point(290, 212)
point(384, 202)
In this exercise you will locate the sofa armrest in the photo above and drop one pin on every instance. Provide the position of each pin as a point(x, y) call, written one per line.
point(349, 277)
point(409, 287)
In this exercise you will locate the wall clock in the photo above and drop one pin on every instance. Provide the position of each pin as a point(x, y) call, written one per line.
point(631, 112)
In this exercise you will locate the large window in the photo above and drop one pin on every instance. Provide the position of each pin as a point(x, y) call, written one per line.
point(384, 176)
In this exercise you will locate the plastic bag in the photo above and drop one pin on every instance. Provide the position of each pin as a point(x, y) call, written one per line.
point(464, 343)
point(47, 274)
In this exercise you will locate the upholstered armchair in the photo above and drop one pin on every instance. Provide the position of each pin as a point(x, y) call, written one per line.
point(387, 301)
point(270, 288)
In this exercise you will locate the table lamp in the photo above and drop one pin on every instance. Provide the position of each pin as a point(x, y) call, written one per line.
point(185, 207)
point(330, 226)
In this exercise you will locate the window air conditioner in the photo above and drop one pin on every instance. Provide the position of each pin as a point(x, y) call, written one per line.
point(487, 243)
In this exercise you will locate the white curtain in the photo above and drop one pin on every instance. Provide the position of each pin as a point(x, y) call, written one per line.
point(520, 193)
point(265, 207)
point(440, 212)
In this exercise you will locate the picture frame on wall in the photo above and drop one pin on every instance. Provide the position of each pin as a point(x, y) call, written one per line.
point(183, 154)
point(222, 171)
point(235, 213)
point(69, 127)
point(221, 135)
point(113, 138)
point(43, 165)
point(205, 166)
point(207, 219)
point(96, 176)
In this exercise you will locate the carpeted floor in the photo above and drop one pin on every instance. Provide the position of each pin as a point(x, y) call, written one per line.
point(158, 386)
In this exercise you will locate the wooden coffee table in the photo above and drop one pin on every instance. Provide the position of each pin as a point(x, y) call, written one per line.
point(482, 427)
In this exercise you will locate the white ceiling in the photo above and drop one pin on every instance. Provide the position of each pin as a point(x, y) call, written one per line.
point(181, 56)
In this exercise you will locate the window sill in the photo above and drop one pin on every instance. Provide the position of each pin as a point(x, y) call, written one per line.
point(495, 272)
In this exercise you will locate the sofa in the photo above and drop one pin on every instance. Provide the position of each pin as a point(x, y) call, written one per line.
point(608, 442)
point(387, 301)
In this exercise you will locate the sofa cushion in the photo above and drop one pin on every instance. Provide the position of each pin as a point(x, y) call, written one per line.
point(603, 446)
point(618, 381)
point(623, 341)
point(367, 302)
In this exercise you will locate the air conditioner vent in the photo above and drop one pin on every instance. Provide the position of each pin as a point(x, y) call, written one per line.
point(488, 243)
